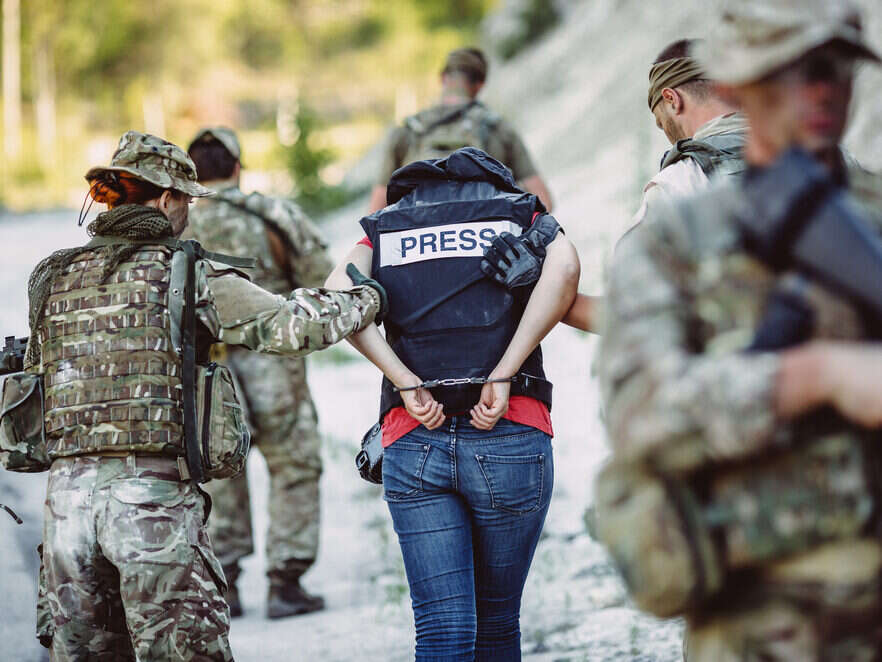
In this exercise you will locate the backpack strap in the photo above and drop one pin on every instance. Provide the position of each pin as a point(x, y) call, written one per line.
point(709, 154)
point(177, 245)
point(414, 124)
point(188, 367)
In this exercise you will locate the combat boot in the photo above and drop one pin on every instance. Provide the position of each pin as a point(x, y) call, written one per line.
point(286, 596)
point(231, 595)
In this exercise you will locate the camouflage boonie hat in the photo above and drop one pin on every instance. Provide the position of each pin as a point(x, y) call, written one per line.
point(758, 37)
point(156, 161)
point(226, 137)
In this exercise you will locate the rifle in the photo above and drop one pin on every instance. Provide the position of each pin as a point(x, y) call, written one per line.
point(798, 219)
point(12, 355)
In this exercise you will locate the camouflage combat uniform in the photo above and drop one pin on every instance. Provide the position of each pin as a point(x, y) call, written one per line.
point(774, 516)
point(475, 125)
point(129, 570)
point(281, 412)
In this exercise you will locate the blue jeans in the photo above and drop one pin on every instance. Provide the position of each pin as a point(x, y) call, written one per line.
point(468, 507)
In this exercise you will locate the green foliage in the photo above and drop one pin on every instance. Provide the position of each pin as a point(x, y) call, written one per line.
point(251, 37)
point(452, 13)
point(306, 159)
point(536, 18)
point(364, 32)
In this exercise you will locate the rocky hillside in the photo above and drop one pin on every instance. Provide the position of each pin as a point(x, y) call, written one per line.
point(579, 97)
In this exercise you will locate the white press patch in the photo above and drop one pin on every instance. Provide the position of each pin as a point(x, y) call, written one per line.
point(442, 241)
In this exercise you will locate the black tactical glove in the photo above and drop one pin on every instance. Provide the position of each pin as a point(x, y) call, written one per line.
point(359, 278)
point(516, 262)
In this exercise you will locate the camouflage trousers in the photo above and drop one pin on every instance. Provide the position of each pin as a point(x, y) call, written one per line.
point(129, 571)
point(827, 609)
point(285, 429)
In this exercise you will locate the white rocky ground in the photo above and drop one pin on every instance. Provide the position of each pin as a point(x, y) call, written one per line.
point(579, 97)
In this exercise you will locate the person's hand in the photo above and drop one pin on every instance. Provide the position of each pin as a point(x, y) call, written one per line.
point(492, 405)
point(513, 262)
point(420, 404)
point(851, 379)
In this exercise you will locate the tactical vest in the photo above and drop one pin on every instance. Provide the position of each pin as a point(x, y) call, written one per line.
point(112, 378)
point(468, 125)
point(684, 521)
point(225, 225)
point(446, 320)
point(716, 154)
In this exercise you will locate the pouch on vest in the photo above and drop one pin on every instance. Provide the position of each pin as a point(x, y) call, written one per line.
point(652, 529)
point(22, 431)
point(224, 437)
point(674, 548)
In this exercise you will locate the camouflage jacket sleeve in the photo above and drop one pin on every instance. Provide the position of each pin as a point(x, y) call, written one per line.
point(310, 320)
point(664, 400)
point(310, 262)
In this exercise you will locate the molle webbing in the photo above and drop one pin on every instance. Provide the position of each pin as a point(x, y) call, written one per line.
point(112, 376)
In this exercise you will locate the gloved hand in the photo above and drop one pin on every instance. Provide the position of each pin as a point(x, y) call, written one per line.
point(516, 262)
point(513, 262)
point(359, 278)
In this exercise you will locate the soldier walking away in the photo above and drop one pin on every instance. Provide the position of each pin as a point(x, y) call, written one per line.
point(459, 120)
point(740, 366)
point(129, 570)
point(290, 253)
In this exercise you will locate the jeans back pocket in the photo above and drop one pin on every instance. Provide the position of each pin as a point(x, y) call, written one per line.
point(515, 481)
point(403, 463)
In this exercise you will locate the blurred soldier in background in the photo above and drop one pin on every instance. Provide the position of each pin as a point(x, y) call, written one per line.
point(737, 388)
point(290, 253)
point(459, 120)
point(129, 570)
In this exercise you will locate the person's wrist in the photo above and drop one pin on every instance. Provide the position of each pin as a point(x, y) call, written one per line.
point(405, 378)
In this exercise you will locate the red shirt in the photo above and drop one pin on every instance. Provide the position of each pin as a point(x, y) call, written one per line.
point(521, 408)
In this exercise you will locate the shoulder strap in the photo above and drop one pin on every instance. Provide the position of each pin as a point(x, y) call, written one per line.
point(188, 367)
point(708, 153)
point(446, 118)
point(176, 245)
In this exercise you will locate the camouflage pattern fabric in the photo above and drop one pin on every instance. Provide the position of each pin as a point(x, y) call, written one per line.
point(154, 160)
point(502, 142)
point(757, 37)
point(238, 224)
point(307, 321)
point(285, 430)
point(130, 572)
point(282, 415)
point(681, 395)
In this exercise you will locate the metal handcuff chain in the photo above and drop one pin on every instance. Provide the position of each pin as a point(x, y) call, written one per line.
point(460, 381)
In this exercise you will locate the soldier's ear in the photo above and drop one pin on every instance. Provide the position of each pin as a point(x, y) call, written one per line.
point(673, 99)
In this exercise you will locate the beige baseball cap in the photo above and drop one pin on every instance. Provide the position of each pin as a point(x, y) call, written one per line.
point(226, 137)
point(757, 37)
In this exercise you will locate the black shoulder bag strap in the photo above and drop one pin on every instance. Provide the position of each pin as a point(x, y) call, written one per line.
point(188, 367)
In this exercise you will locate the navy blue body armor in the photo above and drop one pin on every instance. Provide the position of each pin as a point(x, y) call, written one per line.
point(446, 320)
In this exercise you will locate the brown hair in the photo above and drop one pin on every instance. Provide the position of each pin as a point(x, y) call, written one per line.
point(120, 188)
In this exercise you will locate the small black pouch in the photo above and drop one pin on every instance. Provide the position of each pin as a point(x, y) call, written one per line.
point(369, 460)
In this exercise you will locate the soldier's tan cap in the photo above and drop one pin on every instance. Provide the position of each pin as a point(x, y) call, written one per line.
point(468, 60)
point(156, 161)
point(226, 137)
point(757, 37)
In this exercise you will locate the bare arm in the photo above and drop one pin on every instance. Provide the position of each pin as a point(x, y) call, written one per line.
point(536, 185)
point(551, 299)
point(378, 199)
point(373, 346)
point(584, 312)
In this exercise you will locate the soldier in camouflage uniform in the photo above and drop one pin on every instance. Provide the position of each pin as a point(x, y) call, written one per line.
point(129, 569)
point(711, 448)
point(290, 253)
point(458, 120)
